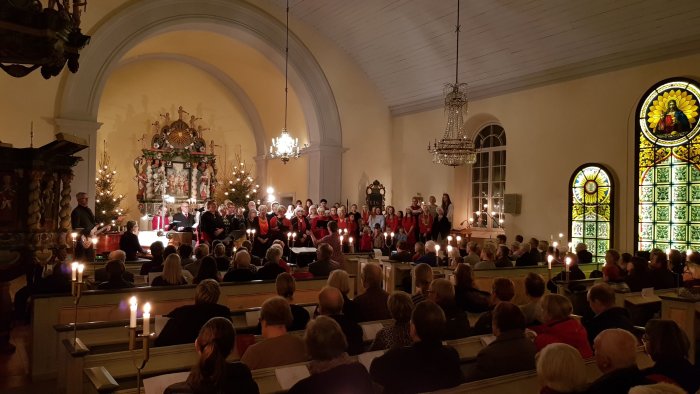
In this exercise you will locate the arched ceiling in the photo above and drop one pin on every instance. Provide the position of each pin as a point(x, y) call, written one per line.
point(407, 47)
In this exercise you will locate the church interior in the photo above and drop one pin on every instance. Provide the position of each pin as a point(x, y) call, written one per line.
point(558, 138)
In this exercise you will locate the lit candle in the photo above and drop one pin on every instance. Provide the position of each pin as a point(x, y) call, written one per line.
point(437, 254)
point(341, 239)
point(74, 235)
point(459, 239)
point(550, 258)
point(133, 305)
point(571, 247)
point(449, 250)
point(668, 251)
point(158, 224)
point(289, 236)
point(561, 235)
point(74, 270)
point(689, 252)
point(449, 239)
point(391, 235)
point(247, 233)
point(340, 231)
point(94, 241)
point(385, 234)
point(345, 231)
point(568, 262)
point(81, 268)
point(252, 232)
point(146, 318)
point(555, 245)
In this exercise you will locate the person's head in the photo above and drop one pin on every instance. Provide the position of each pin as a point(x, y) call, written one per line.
point(340, 280)
point(543, 245)
point(503, 252)
point(671, 105)
point(464, 276)
point(132, 227)
point(330, 301)
point(172, 269)
point(580, 247)
point(423, 276)
point(157, 249)
point(612, 256)
point(82, 199)
point(556, 307)
point(214, 343)
point(488, 252)
point(657, 388)
point(446, 201)
point(242, 259)
point(185, 208)
point(309, 203)
point(400, 307)
point(114, 269)
point(419, 248)
point(534, 243)
point(401, 245)
point(247, 245)
point(323, 202)
point(275, 312)
point(371, 276)
point(201, 251)
point(601, 297)
point(324, 252)
point(427, 322)
point(285, 285)
point(313, 210)
point(659, 260)
point(211, 206)
point(665, 341)
point(252, 214)
point(333, 227)
point(207, 292)
point(515, 247)
point(324, 339)
point(207, 269)
point(502, 239)
point(390, 210)
point(441, 292)
point(507, 317)
point(638, 265)
point(262, 211)
point(534, 285)
point(502, 290)
point(519, 239)
point(184, 250)
point(273, 255)
point(117, 255)
point(219, 250)
point(341, 212)
point(561, 368)
point(170, 249)
point(299, 213)
point(430, 247)
point(615, 348)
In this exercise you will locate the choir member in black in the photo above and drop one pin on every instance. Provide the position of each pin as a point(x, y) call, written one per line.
point(441, 225)
point(246, 213)
point(263, 237)
point(280, 225)
point(184, 220)
point(234, 223)
point(355, 216)
point(299, 225)
point(211, 223)
point(129, 241)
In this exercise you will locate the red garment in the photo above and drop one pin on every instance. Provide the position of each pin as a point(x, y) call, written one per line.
point(366, 243)
point(365, 217)
point(408, 223)
point(155, 223)
point(319, 232)
point(264, 225)
point(612, 272)
point(285, 223)
point(568, 331)
point(303, 275)
point(346, 223)
point(392, 223)
point(284, 265)
point(423, 227)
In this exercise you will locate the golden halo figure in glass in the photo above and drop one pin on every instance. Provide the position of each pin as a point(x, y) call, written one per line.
point(670, 113)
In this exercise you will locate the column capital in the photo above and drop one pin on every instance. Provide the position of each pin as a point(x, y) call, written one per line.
point(76, 126)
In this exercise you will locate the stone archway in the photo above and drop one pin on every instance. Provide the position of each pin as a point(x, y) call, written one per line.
point(78, 101)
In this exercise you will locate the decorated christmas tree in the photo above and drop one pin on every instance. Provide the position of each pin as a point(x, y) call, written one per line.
point(107, 202)
point(239, 185)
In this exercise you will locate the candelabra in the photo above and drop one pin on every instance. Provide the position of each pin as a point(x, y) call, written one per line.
point(77, 291)
point(145, 337)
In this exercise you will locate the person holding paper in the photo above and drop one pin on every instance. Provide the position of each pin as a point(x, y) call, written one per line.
point(397, 334)
point(331, 369)
point(212, 373)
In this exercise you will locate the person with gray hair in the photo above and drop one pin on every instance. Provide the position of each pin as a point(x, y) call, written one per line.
point(430, 256)
point(330, 303)
point(561, 369)
point(488, 257)
point(331, 369)
point(103, 274)
point(372, 304)
point(616, 357)
point(272, 267)
point(324, 263)
point(442, 292)
point(473, 256)
point(279, 347)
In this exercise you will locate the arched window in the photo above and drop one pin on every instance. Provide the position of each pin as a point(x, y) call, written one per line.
point(668, 172)
point(489, 177)
point(591, 209)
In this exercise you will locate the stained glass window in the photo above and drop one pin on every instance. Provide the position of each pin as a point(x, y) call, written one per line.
point(489, 177)
point(591, 209)
point(668, 176)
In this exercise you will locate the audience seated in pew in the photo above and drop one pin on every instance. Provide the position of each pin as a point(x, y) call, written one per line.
point(185, 252)
point(510, 352)
point(503, 289)
point(612, 272)
point(662, 277)
point(331, 369)
point(330, 303)
point(473, 256)
point(200, 252)
point(59, 282)
point(402, 255)
point(323, 264)
point(423, 277)
point(172, 273)
point(467, 296)
point(286, 286)
point(429, 257)
point(341, 281)
point(426, 365)
point(668, 345)
point(534, 290)
point(575, 273)
point(255, 260)
point(456, 322)
point(488, 257)
point(582, 253)
point(372, 304)
point(129, 241)
point(271, 268)
point(560, 327)
point(115, 270)
point(156, 262)
point(561, 370)
point(616, 357)
point(397, 334)
point(502, 259)
point(212, 373)
point(691, 276)
point(222, 262)
point(639, 275)
point(208, 269)
point(101, 274)
point(185, 322)
point(241, 269)
point(170, 249)
point(278, 347)
point(601, 299)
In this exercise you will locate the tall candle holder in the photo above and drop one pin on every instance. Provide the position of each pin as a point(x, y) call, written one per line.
point(145, 338)
point(77, 292)
point(550, 258)
point(352, 249)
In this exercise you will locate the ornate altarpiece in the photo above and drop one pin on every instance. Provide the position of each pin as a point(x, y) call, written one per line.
point(177, 164)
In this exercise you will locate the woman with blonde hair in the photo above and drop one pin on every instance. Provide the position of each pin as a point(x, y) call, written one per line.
point(561, 369)
point(172, 272)
point(560, 327)
point(341, 281)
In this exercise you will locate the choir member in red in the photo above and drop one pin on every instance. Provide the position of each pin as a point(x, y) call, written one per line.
point(364, 216)
point(333, 213)
point(392, 220)
point(366, 240)
point(409, 224)
point(263, 238)
point(319, 223)
point(425, 224)
point(161, 221)
point(279, 224)
point(346, 223)
point(332, 239)
point(300, 225)
point(307, 206)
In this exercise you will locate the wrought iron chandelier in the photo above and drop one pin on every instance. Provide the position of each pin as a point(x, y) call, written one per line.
point(455, 148)
point(285, 147)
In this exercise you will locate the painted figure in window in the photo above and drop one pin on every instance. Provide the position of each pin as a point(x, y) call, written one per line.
point(674, 120)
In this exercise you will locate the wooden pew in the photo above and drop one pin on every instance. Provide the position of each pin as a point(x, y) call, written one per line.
point(50, 310)
point(685, 312)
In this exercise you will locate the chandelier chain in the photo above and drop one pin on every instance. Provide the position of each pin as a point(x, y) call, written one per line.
point(286, 68)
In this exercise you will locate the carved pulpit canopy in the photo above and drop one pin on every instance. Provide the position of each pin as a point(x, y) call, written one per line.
point(375, 195)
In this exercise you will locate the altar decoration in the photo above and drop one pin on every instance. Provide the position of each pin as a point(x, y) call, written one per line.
point(107, 210)
point(177, 165)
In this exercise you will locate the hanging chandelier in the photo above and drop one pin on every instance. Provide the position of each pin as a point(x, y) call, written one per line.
point(455, 148)
point(285, 147)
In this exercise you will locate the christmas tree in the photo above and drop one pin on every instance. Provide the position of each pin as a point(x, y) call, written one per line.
point(107, 202)
point(239, 186)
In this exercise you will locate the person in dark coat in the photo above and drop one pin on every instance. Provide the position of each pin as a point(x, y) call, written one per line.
point(601, 298)
point(330, 303)
point(156, 262)
point(662, 277)
point(502, 290)
point(668, 345)
point(402, 254)
point(467, 296)
point(456, 322)
point(212, 373)
point(584, 256)
point(129, 241)
point(211, 223)
point(286, 286)
point(101, 274)
point(372, 304)
point(616, 357)
point(425, 366)
point(639, 275)
point(186, 321)
point(441, 225)
point(511, 352)
point(115, 271)
point(331, 369)
point(271, 268)
point(323, 264)
point(242, 270)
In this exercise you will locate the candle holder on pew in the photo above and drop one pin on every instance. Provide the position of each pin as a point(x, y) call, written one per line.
point(550, 259)
point(77, 270)
point(144, 336)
